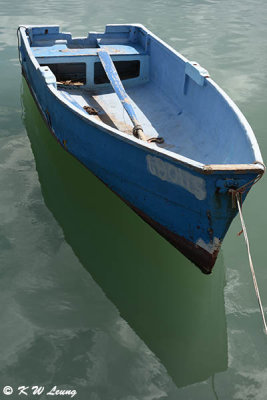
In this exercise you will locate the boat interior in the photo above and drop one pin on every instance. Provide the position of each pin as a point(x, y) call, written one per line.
point(171, 97)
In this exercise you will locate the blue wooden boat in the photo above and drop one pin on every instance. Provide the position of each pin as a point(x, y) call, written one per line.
point(150, 124)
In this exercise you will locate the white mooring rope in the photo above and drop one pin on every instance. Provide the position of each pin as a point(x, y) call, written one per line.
point(238, 197)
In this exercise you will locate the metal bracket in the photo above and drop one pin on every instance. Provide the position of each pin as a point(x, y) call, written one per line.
point(223, 185)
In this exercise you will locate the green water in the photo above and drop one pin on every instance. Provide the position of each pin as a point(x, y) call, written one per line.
point(91, 298)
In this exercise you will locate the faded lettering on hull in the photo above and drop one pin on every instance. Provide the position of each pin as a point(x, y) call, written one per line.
point(170, 173)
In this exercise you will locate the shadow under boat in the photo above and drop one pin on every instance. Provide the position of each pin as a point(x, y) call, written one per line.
point(175, 309)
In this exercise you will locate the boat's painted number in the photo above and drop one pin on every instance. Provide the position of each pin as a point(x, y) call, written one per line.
point(170, 173)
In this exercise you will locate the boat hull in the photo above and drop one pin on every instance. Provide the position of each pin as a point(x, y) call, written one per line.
point(192, 209)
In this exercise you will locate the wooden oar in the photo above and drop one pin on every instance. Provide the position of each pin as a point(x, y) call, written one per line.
point(125, 100)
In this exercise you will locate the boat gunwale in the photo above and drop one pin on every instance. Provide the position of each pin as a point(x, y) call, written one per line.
point(257, 167)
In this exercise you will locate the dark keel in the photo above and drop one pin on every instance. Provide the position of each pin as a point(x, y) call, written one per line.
point(200, 257)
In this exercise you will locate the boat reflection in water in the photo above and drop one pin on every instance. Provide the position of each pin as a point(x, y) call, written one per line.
point(174, 308)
